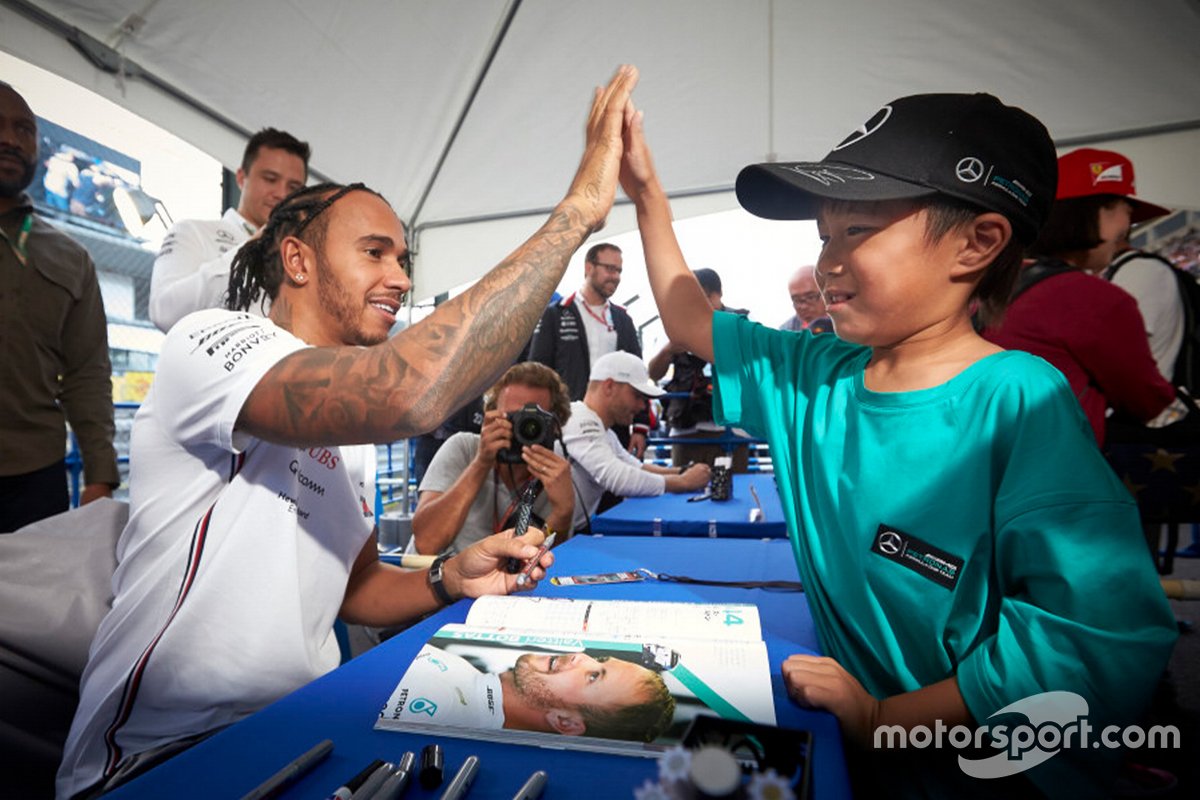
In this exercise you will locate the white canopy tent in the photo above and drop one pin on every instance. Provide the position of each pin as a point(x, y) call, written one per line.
point(467, 114)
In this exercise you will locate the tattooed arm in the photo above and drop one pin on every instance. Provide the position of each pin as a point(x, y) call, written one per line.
point(413, 381)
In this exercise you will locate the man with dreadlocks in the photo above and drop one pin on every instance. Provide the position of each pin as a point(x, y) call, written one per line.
point(250, 526)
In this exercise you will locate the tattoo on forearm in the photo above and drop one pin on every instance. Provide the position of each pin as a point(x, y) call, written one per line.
point(501, 312)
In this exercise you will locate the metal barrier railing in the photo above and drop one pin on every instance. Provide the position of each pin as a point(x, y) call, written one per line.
point(759, 458)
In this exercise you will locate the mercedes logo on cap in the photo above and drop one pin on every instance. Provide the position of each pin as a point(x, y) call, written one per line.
point(890, 542)
point(867, 128)
point(969, 170)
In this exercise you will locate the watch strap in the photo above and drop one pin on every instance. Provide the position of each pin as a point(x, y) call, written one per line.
point(435, 581)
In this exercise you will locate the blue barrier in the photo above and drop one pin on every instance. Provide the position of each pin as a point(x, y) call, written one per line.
point(74, 458)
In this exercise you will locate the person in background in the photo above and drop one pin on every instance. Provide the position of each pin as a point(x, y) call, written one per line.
point(468, 419)
point(467, 494)
point(618, 389)
point(54, 365)
point(1107, 175)
point(1085, 326)
point(691, 417)
point(586, 325)
point(192, 269)
point(807, 303)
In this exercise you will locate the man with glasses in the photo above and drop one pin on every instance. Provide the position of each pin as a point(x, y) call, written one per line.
point(586, 325)
point(807, 302)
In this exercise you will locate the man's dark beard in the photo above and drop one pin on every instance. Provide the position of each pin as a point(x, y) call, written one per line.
point(14, 189)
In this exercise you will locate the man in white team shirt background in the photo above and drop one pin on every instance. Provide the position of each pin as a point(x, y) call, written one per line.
point(192, 268)
point(617, 390)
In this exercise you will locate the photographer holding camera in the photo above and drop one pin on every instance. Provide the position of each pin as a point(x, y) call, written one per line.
point(472, 487)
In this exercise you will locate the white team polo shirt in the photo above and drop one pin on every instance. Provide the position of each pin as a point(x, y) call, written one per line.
point(235, 560)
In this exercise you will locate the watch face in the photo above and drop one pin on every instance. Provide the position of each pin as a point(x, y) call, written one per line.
point(435, 580)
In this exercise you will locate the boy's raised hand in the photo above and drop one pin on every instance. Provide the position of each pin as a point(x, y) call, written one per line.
point(594, 187)
point(637, 165)
point(686, 313)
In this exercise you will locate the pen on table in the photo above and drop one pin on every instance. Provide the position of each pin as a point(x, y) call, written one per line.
point(347, 790)
point(524, 577)
point(397, 782)
point(532, 789)
point(373, 782)
point(273, 785)
point(762, 515)
point(461, 783)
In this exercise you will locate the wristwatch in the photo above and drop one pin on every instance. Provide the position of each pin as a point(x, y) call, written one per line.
point(435, 581)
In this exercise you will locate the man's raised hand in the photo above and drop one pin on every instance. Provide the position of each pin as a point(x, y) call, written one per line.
point(595, 184)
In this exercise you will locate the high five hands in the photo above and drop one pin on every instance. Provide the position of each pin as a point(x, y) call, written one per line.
point(594, 187)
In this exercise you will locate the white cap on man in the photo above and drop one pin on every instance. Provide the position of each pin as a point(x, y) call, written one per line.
point(625, 367)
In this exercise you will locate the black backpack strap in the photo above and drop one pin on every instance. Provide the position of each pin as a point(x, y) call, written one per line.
point(1129, 255)
point(1037, 272)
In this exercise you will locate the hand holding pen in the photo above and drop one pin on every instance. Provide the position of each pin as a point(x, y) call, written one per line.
point(524, 512)
point(526, 575)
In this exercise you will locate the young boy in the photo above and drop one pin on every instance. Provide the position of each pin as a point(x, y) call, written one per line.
point(962, 543)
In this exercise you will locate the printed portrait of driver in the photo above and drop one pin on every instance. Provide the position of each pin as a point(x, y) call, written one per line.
point(579, 693)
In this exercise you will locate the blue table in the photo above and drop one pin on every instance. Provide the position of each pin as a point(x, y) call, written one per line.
point(635, 515)
point(344, 704)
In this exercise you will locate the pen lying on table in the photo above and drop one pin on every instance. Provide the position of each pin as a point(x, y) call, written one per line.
point(762, 515)
point(275, 784)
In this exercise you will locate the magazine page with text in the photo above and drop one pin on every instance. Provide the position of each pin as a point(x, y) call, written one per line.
point(584, 689)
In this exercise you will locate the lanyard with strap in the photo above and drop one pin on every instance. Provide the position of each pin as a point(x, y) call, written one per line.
point(18, 247)
point(608, 326)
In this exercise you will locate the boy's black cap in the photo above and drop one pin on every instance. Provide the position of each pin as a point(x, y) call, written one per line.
point(967, 146)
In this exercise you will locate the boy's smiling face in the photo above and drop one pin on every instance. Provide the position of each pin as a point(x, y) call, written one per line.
point(883, 280)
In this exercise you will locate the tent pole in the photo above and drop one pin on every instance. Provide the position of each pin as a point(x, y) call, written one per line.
point(1133, 133)
point(493, 48)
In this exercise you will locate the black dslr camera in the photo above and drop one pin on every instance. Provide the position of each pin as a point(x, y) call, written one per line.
point(531, 425)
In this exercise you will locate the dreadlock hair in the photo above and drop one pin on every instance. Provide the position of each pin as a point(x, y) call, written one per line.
point(257, 269)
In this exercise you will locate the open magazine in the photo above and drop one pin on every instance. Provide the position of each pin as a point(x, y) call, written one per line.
point(606, 675)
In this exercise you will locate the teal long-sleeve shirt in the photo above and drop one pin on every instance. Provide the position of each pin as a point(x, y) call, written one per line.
point(968, 529)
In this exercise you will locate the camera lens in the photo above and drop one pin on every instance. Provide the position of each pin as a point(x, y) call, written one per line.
point(530, 430)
